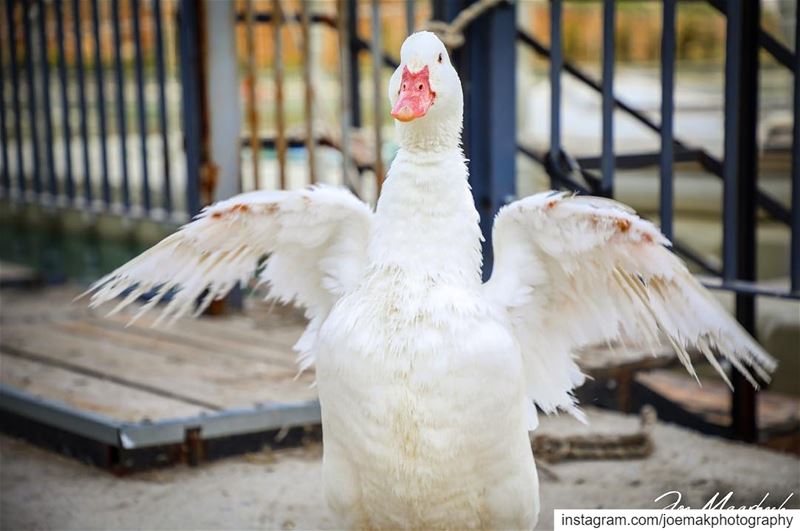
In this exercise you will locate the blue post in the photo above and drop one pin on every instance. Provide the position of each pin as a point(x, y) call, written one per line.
point(101, 103)
point(740, 187)
point(122, 124)
point(192, 111)
point(6, 180)
point(795, 258)
point(63, 86)
point(84, 114)
point(52, 186)
point(487, 66)
point(607, 163)
point(162, 105)
point(556, 63)
point(140, 103)
point(667, 111)
point(32, 99)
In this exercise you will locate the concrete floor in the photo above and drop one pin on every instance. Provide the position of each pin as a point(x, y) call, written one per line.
point(281, 490)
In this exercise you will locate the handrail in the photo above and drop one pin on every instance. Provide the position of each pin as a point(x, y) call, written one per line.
point(710, 163)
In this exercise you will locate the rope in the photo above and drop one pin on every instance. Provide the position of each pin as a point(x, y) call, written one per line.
point(452, 34)
point(552, 449)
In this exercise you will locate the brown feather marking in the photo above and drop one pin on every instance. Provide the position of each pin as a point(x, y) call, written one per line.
point(216, 215)
point(623, 225)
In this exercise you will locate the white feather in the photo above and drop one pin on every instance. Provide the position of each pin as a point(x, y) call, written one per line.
point(575, 271)
point(316, 240)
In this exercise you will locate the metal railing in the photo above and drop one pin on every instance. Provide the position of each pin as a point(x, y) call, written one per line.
point(91, 102)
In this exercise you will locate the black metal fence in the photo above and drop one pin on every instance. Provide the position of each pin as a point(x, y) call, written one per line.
point(91, 103)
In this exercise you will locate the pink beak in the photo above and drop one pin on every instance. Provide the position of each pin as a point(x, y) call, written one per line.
point(415, 97)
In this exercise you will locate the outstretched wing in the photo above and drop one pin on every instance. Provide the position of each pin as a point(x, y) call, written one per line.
point(316, 240)
point(575, 271)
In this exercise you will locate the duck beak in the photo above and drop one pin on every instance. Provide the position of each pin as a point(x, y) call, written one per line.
point(415, 97)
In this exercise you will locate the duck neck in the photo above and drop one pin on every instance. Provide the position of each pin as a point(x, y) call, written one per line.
point(431, 134)
point(426, 221)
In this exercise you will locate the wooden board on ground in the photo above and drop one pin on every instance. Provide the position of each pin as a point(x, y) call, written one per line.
point(712, 401)
point(60, 350)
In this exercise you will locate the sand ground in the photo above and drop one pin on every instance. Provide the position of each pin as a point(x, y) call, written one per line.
point(281, 490)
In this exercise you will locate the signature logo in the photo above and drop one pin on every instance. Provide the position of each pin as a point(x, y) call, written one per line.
point(716, 503)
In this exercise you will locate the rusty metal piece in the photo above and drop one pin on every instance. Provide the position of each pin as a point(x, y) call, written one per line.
point(377, 95)
point(194, 450)
point(280, 123)
point(250, 82)
point(305, 26)
point(346, 107)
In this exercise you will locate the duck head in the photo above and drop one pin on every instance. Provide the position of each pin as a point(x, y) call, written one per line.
point(425, 94)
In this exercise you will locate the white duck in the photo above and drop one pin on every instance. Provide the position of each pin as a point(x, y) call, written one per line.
point(426, 376)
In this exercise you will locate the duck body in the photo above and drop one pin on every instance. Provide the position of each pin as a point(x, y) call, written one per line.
point(413, 365)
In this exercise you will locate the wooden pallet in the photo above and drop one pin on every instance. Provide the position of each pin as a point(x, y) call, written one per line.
point(778, 414)
point(58, 351)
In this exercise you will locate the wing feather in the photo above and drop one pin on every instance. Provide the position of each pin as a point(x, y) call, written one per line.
point(575, 271)
point(315, 239)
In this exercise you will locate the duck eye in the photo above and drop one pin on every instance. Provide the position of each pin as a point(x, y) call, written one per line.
point(419, 87)
point(440, 57)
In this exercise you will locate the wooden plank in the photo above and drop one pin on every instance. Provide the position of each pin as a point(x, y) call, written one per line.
point(213, 379)
point(712, 400)
point(204, 335)
point(90, 394)
point(169, 341)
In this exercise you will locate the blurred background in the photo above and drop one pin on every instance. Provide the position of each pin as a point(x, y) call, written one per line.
point(122, 118)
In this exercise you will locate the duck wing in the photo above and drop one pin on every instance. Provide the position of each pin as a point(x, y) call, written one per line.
point(574, 271)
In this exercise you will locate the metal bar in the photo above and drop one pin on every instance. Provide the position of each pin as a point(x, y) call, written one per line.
point(354, 45)
point(221, 424)
point(32, 97)
point(346, 99)
point(65, 114)
point(16, 106)
point(91, 425)
point(731, 170)
point(709, 163)
point(607, 166)
point(629, 161)
point(487, 65)
point(122, 123)
point(795, 206)
point(252, 110)
point(84, 126)
point(556, 61)
point(101, 102)
point(775, 48)
point(741, 164)
point(667, 191)
point(308, 83)
point(377, 95)
point(162, 106)
point(280, 122)
point(191, 104)
point(6, 179)
point(52, 185)
point(140, 103)
point(410, 17)
point(750, 288)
